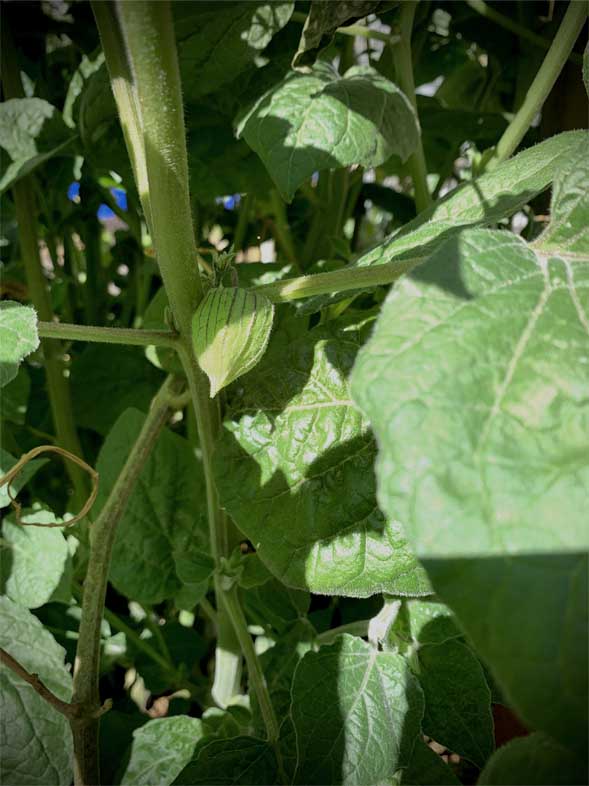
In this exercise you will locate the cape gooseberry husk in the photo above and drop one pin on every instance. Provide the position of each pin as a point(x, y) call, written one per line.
point(230, 332)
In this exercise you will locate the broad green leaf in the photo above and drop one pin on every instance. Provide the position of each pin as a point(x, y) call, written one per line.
point(33, 559)
point(106, 380)
point(31, 132)
point(294, 471)
point(536, 760)
point(15, 397)
point(457, 700)
point(318, 121)
point(485, 357)
point(426, 767)
point(586, 68)
point(356, 712)
point(7, 462)
point(165, 518)
point(484, 201)
point(241, 761)
point(475, 382)
point(27, 722)
point(322, 21)
point(431, 622)
point(18, 337)
point(161, 749)
point(218, 41)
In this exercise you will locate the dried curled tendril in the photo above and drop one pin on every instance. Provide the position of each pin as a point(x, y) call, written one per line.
point(5, 480)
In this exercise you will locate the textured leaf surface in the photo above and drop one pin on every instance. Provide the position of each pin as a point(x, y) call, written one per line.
point(161, 749)
point(27, 722)
point(108, 379)
point(241, 761)
point(322, 21)
point(356, 713)
point(33, 559)
point(7, 462)
point(536, 760)
point(307, 123)
point(476, 383)
point(294, 471)
point(457, 700)
point(426, 767)
point(230, 332)
point(165, 519)
point(217, 41)
point(485, 201)
point(31, 132)
point(18, 337)
point(489, 363)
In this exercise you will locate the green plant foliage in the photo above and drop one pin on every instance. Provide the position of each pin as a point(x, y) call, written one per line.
point(216, 42)
point(303, 288)
point(164, 523)
point(18, 331)
point(247, 761)
point(321, 23)
point(161, 749)
point(100, 396)
point(533, 761)
point(356, 713)
point(31, 132)
point(7, 462)
point(323, 121)
point(457, 700)
point(499, 471)
point(295, 439)
point(426, 766)
point(33, 559)
point(26, 720)
point(15, 396)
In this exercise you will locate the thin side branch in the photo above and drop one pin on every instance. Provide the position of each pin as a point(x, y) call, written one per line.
point(108, 335)
point(71, 710)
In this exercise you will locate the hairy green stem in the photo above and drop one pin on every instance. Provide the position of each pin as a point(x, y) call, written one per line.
point(343, 280)
point(58, 388)
point(404, 75)
point(514, 27)
point(102, 535)
point(148, 34)
point(108, 335)
point(557, 55)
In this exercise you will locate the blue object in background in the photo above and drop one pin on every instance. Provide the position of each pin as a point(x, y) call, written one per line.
point(229, 202)
point(104, 212)
point(120, 197)
point(73, 191)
